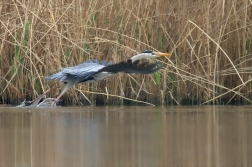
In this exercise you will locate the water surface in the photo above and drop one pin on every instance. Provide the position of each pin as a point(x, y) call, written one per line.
point(126, 136)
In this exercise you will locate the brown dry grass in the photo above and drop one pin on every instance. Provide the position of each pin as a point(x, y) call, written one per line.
point(210, 42)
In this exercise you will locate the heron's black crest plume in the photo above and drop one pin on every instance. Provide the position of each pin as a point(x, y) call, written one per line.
point(147, 51)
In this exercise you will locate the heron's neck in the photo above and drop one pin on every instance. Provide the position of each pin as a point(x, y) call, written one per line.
point(139, 56)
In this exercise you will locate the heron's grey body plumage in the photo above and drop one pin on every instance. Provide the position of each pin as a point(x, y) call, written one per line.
point(93, 70)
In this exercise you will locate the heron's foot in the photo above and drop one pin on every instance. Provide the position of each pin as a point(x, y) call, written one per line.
point(25, 103)
point(32, 103)
point(48, 102)
point(54, 103)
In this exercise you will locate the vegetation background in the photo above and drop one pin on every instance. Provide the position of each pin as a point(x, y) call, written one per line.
point(210, 42)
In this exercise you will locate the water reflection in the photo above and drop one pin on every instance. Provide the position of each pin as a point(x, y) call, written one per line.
point(126, 136)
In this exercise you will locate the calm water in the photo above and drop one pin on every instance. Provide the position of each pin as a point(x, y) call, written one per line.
point(126, 136)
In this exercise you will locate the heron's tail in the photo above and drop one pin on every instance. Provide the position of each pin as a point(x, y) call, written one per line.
point(129, 67)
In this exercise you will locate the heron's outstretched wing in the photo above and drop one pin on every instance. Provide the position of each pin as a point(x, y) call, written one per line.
point(81, 73)
point(129, 67)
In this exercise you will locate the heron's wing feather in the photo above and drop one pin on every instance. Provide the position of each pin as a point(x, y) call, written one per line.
point(79, 72)
point(129, 67)
point(83, 70)
point(57, 76)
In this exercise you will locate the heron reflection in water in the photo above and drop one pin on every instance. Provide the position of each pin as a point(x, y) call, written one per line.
point(94, 71)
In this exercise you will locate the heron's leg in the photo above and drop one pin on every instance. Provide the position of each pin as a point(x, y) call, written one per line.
point(40, 96)
point(68, 86)
point(29, 103)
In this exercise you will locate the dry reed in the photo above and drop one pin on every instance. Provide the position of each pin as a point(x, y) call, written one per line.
point(210, 44)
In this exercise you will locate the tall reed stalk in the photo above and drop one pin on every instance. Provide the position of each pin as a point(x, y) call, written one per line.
point(210, 42)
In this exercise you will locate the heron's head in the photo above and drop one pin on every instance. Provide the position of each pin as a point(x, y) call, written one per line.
point(148, 54)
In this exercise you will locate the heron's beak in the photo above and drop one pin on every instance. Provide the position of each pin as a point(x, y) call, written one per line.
point(162, 54)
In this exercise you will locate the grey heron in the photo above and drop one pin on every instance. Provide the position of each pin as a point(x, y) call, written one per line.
point(93, 70)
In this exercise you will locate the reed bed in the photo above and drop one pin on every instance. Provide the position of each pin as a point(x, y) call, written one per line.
point(210, 42)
